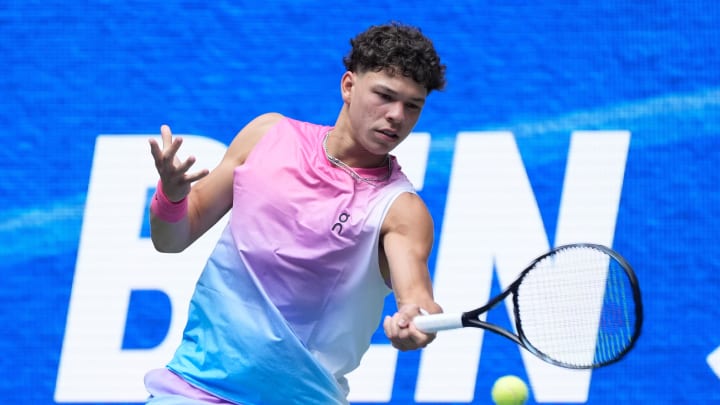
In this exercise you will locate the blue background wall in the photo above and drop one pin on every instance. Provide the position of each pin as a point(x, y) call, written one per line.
point(70, 71)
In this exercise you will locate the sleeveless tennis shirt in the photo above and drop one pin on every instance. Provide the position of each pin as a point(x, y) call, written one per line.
point(291, 295)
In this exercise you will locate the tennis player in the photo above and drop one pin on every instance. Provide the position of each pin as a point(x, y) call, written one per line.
point(323, 225)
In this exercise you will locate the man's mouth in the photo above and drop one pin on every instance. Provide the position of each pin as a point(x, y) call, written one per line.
point(388, 133)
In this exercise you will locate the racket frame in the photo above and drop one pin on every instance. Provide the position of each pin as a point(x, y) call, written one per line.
point(472, 318)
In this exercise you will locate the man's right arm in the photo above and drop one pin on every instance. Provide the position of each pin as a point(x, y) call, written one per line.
point(209, 194)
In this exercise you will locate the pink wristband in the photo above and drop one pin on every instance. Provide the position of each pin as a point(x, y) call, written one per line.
point(165, 209)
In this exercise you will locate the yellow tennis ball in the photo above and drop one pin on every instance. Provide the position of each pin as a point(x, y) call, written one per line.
point(509, 390)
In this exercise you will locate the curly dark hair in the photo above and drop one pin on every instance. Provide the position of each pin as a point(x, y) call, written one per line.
point(397, 48)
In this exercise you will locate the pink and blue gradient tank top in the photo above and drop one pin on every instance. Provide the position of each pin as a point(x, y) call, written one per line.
point(292, 293)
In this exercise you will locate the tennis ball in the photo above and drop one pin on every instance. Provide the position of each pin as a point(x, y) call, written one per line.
point(509, 390)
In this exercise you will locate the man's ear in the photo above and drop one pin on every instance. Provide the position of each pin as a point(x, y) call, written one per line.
point(346, 85)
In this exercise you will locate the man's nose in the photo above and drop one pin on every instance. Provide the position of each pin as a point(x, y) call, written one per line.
point(396, 112)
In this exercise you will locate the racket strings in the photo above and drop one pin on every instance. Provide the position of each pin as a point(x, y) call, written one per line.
point(576, 307)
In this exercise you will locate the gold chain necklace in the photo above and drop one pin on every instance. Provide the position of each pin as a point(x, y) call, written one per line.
point(349, 170)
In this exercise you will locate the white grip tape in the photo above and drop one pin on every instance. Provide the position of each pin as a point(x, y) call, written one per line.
point(438, 322)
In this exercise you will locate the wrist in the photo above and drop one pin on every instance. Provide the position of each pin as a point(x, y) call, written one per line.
point(169, 211)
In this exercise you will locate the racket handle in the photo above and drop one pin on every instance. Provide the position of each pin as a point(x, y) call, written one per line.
point(437, 322)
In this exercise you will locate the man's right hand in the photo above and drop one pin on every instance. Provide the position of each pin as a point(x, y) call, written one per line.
point(176, 182)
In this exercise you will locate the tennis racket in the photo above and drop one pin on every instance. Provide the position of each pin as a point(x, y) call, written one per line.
point(577, 306)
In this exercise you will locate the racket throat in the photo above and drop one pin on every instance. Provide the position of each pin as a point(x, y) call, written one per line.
point(471, 320)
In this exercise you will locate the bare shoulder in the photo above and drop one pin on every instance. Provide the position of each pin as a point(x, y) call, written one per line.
point(409, 214)
point(245, 140)
point(265, 121)
point(406, 242)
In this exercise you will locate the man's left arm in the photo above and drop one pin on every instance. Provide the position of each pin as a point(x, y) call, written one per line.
point(407, 240)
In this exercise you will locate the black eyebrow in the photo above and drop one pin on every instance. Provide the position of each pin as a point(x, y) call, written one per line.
point(420, 100)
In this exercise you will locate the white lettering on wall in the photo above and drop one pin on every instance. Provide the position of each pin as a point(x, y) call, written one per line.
point(492, 221)
point(112, 262)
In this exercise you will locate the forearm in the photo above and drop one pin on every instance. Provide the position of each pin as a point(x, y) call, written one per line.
point(170, 237)
point(425, 304)
point(169, 223)
point(173, 228)
point(418, 294)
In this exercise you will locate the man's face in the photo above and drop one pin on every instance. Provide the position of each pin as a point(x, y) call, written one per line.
point(383, 108)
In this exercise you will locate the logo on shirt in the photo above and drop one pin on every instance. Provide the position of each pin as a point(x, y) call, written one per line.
point(338, 226)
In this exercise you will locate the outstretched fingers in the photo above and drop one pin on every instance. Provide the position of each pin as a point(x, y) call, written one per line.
point(173, 172)
point(165, 135)
point(193, 177)
point(166, 160)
